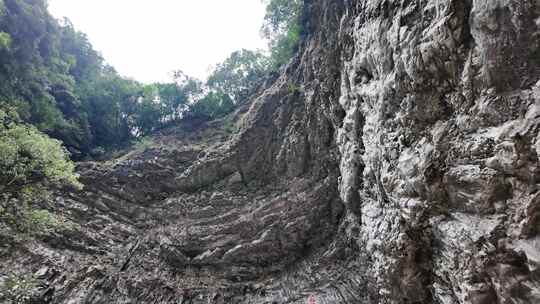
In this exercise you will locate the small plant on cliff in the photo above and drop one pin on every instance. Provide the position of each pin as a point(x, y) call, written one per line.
point(17, 289)
point(30, 163)
point(25, 215)
point(143, 144)
point(5, 40)
point(239, 74)
point(293, 88)
point(29, 157)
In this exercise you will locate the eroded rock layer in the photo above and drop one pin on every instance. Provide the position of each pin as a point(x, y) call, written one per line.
point(395, 160)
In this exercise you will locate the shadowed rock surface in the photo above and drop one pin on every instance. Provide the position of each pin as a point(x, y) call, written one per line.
point(395, 160)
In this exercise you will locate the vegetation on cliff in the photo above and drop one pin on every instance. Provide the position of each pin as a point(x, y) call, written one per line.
point(60, 100)
point(282, 27)
point(31, 163)
point(58, 83)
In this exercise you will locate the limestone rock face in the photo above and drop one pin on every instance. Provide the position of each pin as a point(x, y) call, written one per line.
point(395, 160)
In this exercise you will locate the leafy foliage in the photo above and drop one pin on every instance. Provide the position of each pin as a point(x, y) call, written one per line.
point(28, 156)
point(31, 222)
point(282, 28)
point(239, 74)
point(110, 104)
point(30, 162)
point(5, 41)
point(162, 104)
point(18, 289)
point(213, 105)
point(57, 83)
point(59, 99)
point(229, 85)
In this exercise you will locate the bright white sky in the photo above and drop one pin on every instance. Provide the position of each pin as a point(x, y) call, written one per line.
point(148, 39)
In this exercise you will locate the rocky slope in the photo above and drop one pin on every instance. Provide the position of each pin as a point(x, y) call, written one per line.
point(394, 161)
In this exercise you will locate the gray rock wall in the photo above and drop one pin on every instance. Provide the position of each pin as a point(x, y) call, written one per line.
point(395, 160)
point(439, 149)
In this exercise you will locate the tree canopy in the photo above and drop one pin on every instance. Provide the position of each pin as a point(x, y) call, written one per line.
point(29, 157)
point(282, 28)
point(61, 102)
point(55, 80)
point(239, 74)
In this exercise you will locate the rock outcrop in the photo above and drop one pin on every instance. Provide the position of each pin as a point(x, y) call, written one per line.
point(395, 160)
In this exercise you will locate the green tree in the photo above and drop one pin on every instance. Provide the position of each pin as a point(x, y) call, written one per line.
point(282, 28)
point(239, 74)
point(111, 105)
point(29, 157)
point(175, 97)
point(149, 112)
point(83, 62)
point(173, 100)
point(30, 164)
point(57, 82)
point(54, 79)
point(5, 41)
point(213, 105)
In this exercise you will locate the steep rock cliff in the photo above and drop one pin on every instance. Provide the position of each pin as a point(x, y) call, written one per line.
point(395, 160)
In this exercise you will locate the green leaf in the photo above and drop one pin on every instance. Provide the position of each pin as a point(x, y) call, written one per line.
point(5, 41)
point(29, 156)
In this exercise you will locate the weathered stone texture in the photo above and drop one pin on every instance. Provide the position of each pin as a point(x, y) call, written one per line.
point(395, 160)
